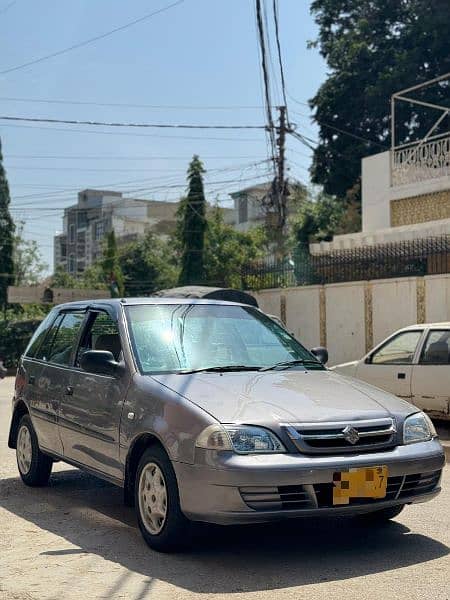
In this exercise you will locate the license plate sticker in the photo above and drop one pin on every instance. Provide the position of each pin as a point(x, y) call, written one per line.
point(367, 482)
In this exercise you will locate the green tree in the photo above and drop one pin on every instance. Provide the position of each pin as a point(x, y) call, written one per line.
point(192, 214)
point(110, 265)
point(29, 268)
point(373, 48)
point(228, 250)
point(62, 279)
point(320, 217)
point(6, 237)
point(148, 265)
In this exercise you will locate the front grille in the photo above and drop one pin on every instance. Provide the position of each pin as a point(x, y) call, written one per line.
point(320, 495)
point(343, 437)
point(284, 497)
point(419, 484)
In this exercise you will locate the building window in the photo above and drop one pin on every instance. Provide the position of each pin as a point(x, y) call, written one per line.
point(72, 263)
point(242, 209)
point(99, 229)
point(63, 249)
point(71, 234)
point(81, 219)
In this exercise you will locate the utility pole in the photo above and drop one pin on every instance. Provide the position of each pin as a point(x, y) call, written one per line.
point(280, 190)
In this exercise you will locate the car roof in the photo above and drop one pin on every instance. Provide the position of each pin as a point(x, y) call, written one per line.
point(118, 302)
point(443, 325)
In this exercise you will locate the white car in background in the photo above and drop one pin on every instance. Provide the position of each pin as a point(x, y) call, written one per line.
point(413, 363)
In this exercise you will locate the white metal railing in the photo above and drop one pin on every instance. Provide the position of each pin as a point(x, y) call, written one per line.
point(421, 161)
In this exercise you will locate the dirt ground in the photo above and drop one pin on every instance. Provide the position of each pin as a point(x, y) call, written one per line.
point(75, 539)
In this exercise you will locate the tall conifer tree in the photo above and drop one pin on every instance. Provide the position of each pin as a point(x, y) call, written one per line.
point(193, 227)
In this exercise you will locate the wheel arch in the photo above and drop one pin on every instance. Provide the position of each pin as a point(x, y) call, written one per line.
point(20, 410)
point(136, 450)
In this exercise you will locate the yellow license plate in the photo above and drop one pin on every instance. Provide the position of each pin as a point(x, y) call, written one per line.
point(368, 482)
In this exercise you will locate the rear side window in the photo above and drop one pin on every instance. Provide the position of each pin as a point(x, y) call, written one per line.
point(62, 336)
point(39, 335)
point(437, 348)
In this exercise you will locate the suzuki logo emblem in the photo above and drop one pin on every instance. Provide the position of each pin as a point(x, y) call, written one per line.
point(351, 434)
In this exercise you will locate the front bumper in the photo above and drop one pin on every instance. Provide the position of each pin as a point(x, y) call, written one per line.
point(213, 489)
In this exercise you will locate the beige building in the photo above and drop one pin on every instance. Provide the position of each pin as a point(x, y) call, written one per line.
point(398, 203)
point(406, 190)
point(96, 213)
point(250, 205)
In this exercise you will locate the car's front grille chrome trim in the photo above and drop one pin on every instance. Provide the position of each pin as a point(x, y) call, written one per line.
point(342, 436)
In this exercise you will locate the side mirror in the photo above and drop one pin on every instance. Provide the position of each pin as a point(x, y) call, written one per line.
point(321, 353)
point(100, 362)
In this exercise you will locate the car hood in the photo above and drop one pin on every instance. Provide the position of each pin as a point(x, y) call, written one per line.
point(284, 396)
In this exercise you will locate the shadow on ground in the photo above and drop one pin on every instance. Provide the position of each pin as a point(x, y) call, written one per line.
point(89, 514)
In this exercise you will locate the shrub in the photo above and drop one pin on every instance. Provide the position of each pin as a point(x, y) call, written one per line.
point(14, 337)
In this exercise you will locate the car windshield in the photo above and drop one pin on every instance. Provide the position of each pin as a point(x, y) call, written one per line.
point(173, 338)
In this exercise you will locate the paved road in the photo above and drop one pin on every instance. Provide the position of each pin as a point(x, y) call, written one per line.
point(76, 540)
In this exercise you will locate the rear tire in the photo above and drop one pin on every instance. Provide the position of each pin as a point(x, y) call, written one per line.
point(161, 521)
point(34, 466)
point(383, 515)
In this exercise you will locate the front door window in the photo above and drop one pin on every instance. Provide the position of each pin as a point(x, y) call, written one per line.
point(101, 334)
point(398, 351)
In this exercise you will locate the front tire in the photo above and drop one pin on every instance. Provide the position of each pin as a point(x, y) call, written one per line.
point(161, 521)
point(34, 466)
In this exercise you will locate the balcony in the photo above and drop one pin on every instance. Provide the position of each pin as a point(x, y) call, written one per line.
point(421, 161)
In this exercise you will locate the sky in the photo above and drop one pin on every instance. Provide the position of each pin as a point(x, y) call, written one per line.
point(195, 63)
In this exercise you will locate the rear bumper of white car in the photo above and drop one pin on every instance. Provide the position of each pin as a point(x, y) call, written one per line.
point(226, 488)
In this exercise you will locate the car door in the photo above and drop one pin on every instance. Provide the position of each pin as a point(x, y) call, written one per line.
point(431, 376)
point(91, 409)
point(390, 365)
point(33, 385)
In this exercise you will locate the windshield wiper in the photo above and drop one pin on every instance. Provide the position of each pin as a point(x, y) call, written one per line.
point(291, 363)
point(220, 369)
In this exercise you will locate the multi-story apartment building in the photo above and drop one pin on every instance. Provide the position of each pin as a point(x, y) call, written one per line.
point(251, 205)
point(99, 211)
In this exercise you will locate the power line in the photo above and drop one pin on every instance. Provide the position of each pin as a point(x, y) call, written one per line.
point(352, 135)
point(343, 131)
point(98, 157)
point(299, 153)
point(303, 139)
point(93, 39)
point(139, 125)
point(128, 134)
point(280, 61)
point(128, 105)
point(298, 101)
point(52, 209)
point(8, 6)
point(269, 49)
point(115, 170)
point(262, 46)
point(162, 185)
point(83, 170)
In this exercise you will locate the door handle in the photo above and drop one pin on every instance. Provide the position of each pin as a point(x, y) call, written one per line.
point(69, 390)
point(401, 375)
point(31, 379)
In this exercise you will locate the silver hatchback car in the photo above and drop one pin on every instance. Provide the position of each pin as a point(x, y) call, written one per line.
point(204, 410)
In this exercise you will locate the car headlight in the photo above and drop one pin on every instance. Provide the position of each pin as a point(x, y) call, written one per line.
point(243, 439)
point(418, 428)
